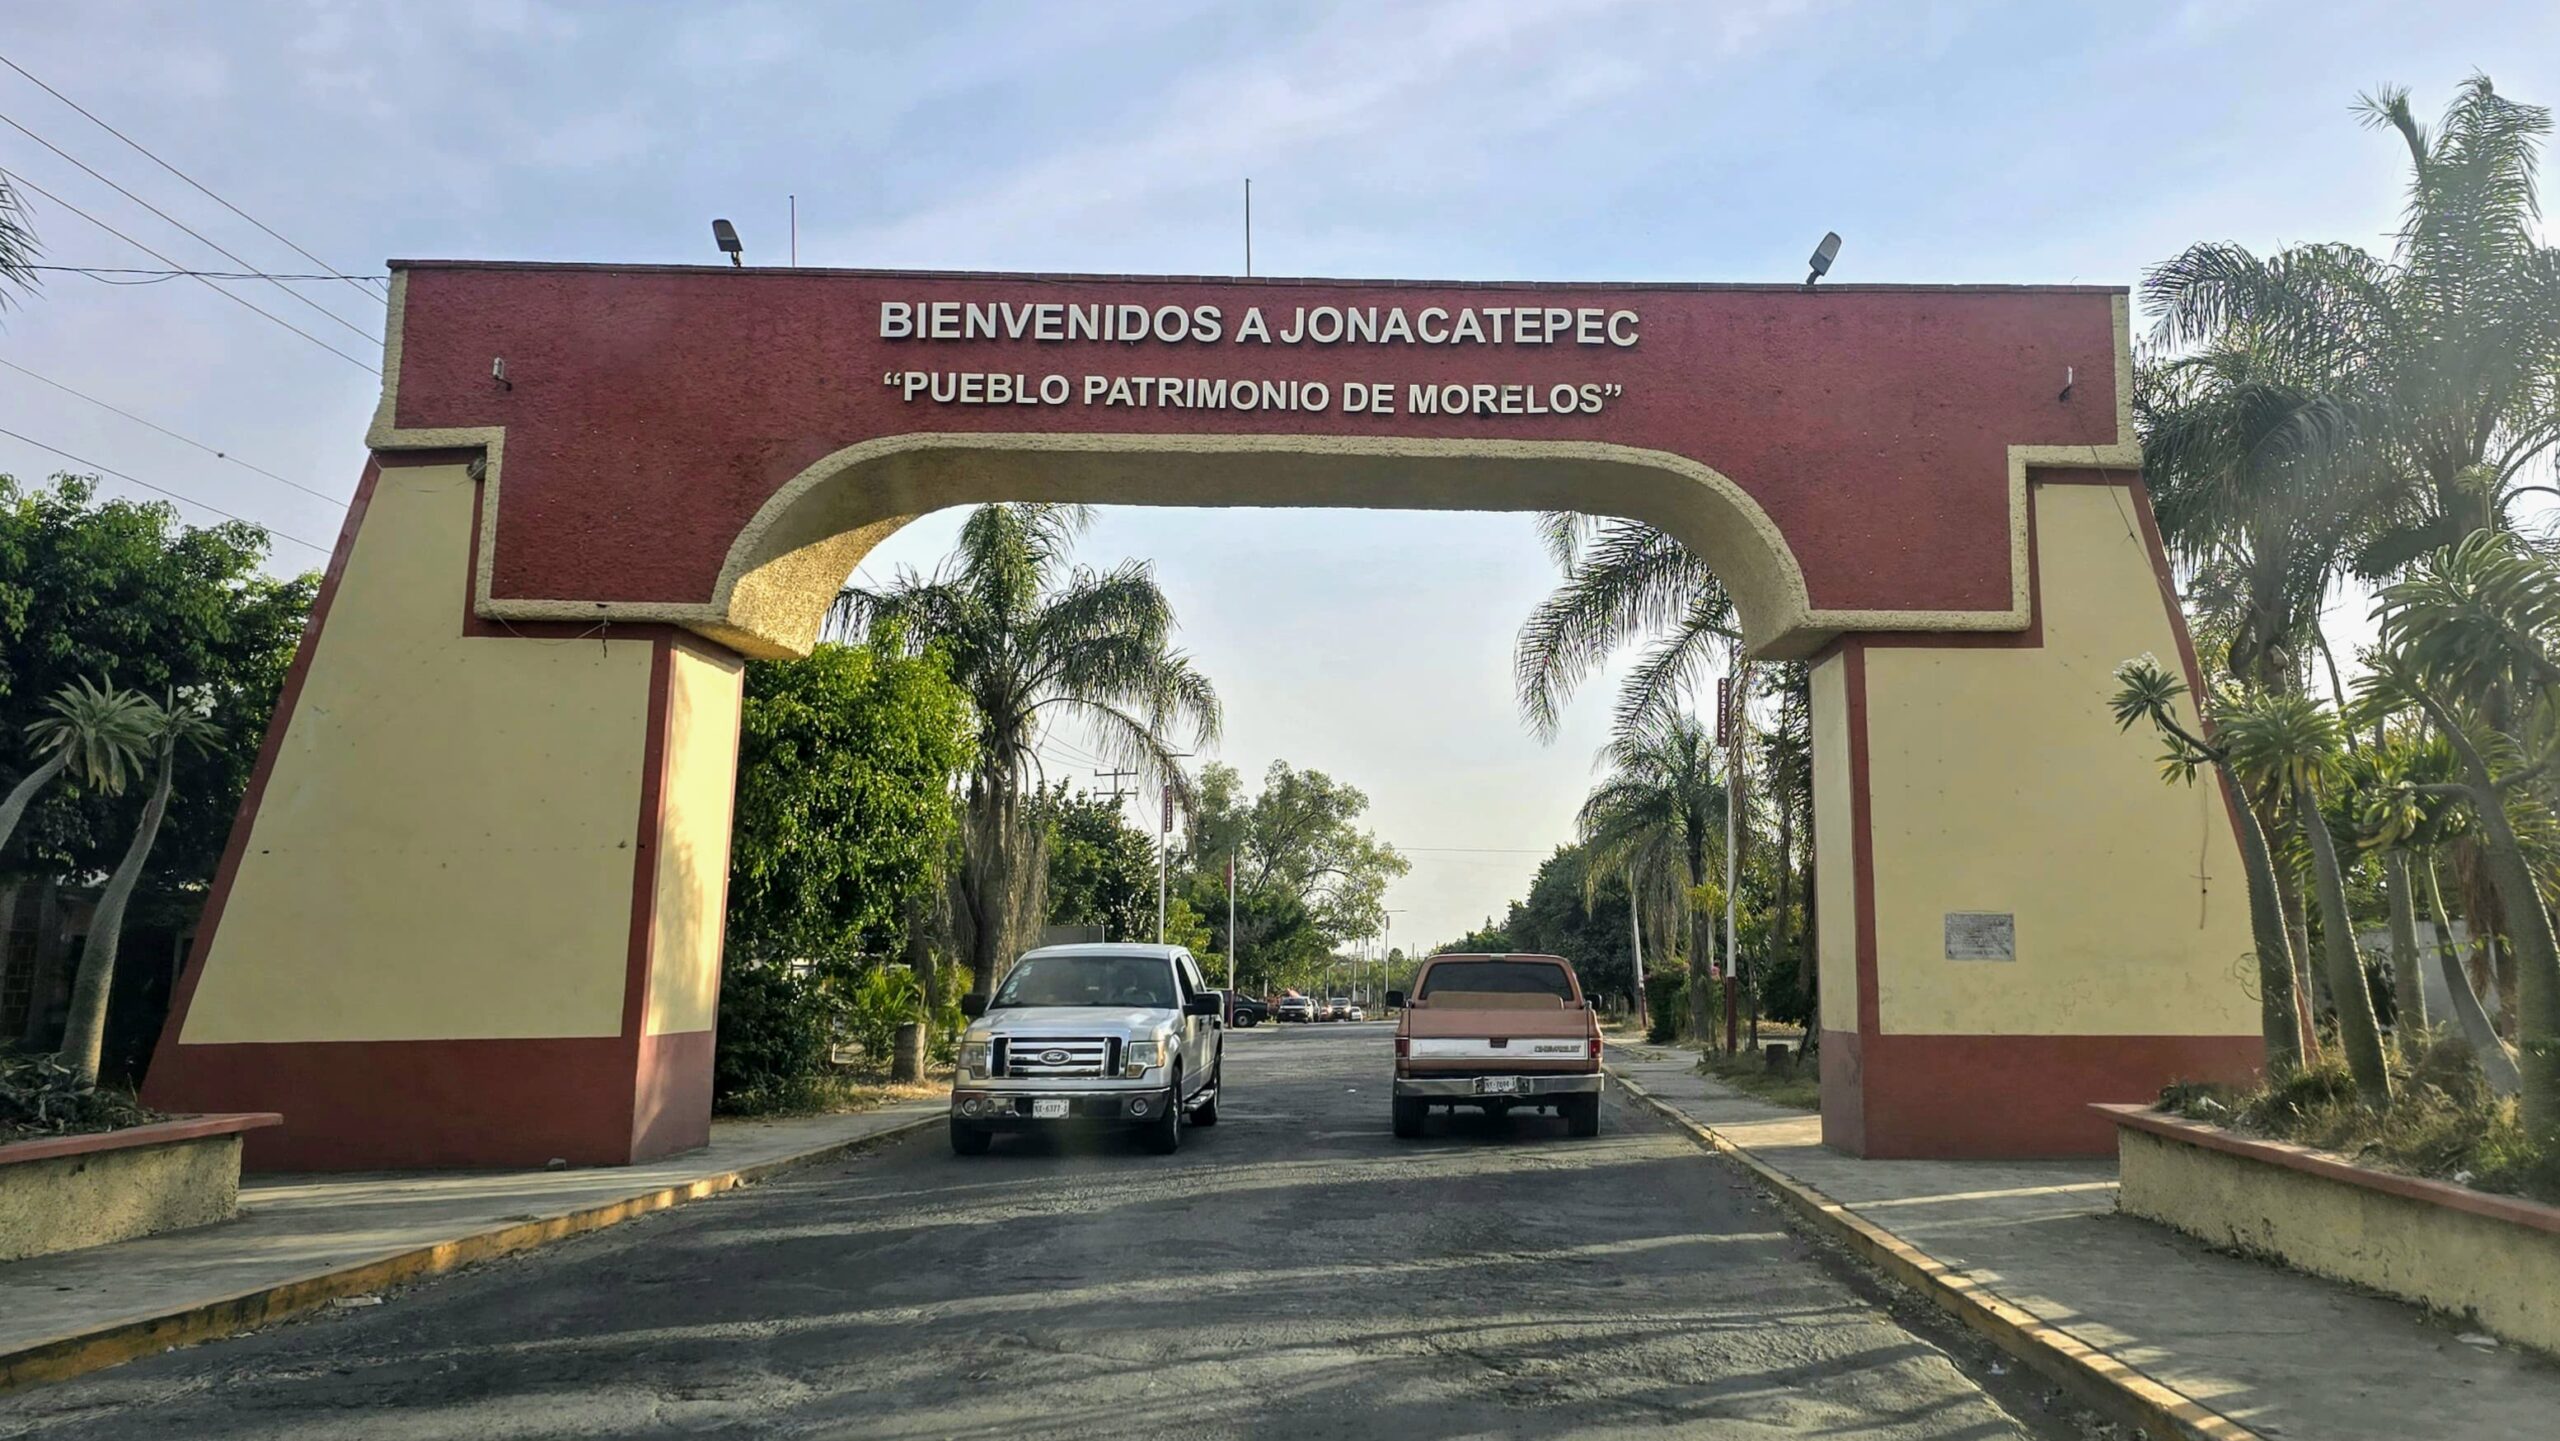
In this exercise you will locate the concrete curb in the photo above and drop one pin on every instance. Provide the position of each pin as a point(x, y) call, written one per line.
point(59, 1358)
point(2088, 1375)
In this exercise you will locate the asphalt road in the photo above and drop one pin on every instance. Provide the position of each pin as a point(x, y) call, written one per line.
point(1294, 1272)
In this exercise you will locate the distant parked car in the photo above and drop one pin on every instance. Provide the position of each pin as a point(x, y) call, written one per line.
point(1354, 1013)
point(1339, 1008)
point(1249, 1011)
point(1294, 1008)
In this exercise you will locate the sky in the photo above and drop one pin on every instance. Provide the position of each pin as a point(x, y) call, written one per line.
point(1481, 139)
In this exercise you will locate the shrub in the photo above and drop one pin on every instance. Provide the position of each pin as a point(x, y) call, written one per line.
point(775, 1039)
point(1666, 1001)
point(884, 998)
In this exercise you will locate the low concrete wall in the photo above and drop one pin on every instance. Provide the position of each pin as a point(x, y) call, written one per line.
point(2493, 1259)
point(62, 1193)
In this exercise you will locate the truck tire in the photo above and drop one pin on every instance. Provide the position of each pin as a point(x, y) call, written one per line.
point(1206, 1113)
point(969, 1140)
point(1409, 1116)
point(1163, 1135)
point(1582, 1114)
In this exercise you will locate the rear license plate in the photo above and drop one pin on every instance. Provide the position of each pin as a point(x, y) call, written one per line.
point(1048, 1110)
point(1497, 1085)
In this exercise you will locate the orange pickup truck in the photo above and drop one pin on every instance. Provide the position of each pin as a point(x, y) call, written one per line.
point(1497, 1032)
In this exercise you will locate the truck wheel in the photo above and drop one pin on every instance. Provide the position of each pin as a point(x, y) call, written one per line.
point(969, 1140)
point(1163, 1135)
point(1582, 1114)
point(1206, 1113)
point(1409, 1116)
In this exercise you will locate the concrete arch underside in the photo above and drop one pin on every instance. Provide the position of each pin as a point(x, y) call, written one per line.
point(791, 559)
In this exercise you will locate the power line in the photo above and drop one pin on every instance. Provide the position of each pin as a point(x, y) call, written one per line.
point(173, 435)
point(164, 490)
point(182, 175)
point(200, 280)
point(189, 229)
point(102, 271)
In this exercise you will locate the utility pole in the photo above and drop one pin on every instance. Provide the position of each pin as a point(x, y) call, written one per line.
point(1635, 934)
point(1119, 793)
point(1232, 947)
point(1164, 846)
point(1731, 722)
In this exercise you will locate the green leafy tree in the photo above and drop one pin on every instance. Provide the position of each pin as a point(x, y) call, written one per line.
point(1102, 870)
point(93, 588)
point(1034, 640)
point(845, 765)
point(1309, 879)
point(1660, 808)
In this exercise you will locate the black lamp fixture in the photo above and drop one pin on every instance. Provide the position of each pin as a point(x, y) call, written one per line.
point(1823, 255)
point(727, 236)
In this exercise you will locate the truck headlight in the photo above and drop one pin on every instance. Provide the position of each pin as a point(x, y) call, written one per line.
point(1141, 1057)
point(973, 1058)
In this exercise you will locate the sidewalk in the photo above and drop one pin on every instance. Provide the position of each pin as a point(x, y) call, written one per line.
point(2278, 1353)
point(302, 1241)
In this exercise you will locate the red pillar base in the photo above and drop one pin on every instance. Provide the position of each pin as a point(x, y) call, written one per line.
point(441, 1105)
point(2004, 1097)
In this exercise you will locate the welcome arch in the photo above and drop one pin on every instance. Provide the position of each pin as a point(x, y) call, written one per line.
point(471, 909)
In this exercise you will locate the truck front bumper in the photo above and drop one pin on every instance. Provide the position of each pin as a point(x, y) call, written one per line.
point(1021, 1109)
point(1464, 1088)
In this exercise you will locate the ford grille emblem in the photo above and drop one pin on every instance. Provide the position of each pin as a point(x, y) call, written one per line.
point(1053, 1058)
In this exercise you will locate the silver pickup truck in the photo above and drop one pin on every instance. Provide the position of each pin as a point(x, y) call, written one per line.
point(1118, 1034)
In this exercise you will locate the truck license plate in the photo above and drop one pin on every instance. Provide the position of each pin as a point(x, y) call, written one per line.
point(1497, 1085)
point(1049, 1110)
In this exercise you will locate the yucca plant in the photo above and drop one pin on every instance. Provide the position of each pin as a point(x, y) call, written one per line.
point(2409, 815)
point(2147, 692)
point(167, 726)
point(96, 733)
point(2292, 744)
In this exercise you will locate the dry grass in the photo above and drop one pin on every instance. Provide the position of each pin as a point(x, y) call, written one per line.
point(1798, 1086)
point(843, 1093)
point(2443, 1122)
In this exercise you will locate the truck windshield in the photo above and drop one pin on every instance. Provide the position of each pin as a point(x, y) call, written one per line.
point(1497, 978)
point(1144, 981)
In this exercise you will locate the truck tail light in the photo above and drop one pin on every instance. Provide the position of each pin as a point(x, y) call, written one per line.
point(1404, 1047)
point(1595, 1045)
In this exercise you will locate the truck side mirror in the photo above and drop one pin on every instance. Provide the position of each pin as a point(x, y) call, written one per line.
point(1206, 1003)
point(973, 1005)
point(1395, 1000)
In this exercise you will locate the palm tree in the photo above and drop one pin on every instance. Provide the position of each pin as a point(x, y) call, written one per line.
point(2446, 351)
point(18, 249)
point(168, 726)
point(2147, 692)
point(96, 733)
point(1662, 805)
point(1035, 641)
point(1623, 580)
